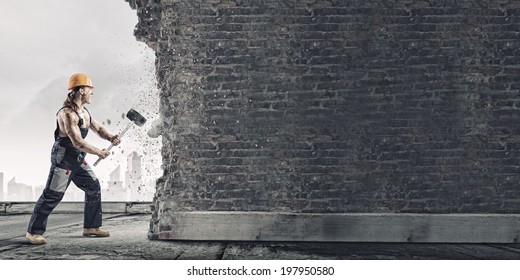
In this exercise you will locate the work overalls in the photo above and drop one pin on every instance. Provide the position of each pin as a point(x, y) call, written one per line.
point(68, 164)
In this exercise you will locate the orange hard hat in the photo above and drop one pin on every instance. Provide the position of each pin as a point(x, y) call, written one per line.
point(79, 79)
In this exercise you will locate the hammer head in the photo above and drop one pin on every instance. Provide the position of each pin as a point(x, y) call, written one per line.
point(137, 118)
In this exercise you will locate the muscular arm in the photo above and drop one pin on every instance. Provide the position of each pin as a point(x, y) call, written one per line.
point(68, 122)
point(100, 130)
point(103, 133)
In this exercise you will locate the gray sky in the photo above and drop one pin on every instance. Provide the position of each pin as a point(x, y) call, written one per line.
point(42, 43)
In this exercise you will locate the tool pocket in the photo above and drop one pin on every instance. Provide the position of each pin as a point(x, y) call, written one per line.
point(60, 179)
point(85, 166)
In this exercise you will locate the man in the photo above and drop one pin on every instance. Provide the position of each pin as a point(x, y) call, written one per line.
point(68, 163)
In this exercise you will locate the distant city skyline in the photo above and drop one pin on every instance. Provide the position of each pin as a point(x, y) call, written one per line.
point(112, 188)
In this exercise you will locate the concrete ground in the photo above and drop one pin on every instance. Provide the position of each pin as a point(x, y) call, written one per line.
point(129, 241)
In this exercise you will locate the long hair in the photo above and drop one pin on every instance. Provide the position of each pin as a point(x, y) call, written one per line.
point(69, 102)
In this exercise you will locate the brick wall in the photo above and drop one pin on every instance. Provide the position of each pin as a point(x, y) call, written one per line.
point(337, 106)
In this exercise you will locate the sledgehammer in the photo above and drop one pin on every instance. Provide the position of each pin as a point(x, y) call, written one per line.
point(136, 118)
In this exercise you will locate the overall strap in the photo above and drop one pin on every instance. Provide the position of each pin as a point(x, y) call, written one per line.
point(80, 123)
point(90, 115)
point(65, 141)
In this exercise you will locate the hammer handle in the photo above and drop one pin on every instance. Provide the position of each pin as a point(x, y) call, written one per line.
point(112, 145)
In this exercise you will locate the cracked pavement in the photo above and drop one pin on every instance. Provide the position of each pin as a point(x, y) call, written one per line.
point(128, 241)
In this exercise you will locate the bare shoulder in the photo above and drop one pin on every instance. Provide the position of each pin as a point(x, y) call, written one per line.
point(68, 116)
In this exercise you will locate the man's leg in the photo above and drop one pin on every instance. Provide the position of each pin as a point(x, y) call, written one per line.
point(87, 181)
point(57, 183)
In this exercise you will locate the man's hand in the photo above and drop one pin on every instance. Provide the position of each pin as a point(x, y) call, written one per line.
point(103, 154)
point(103, 133)
point(116, 140)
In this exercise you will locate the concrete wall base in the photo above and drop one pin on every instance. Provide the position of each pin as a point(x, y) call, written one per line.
point(352, 227)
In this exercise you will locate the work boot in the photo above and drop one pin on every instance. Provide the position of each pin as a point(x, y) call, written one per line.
point(35, 239)
point(95, 232)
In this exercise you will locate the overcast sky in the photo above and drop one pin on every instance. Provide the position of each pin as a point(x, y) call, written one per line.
point(42, 43)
